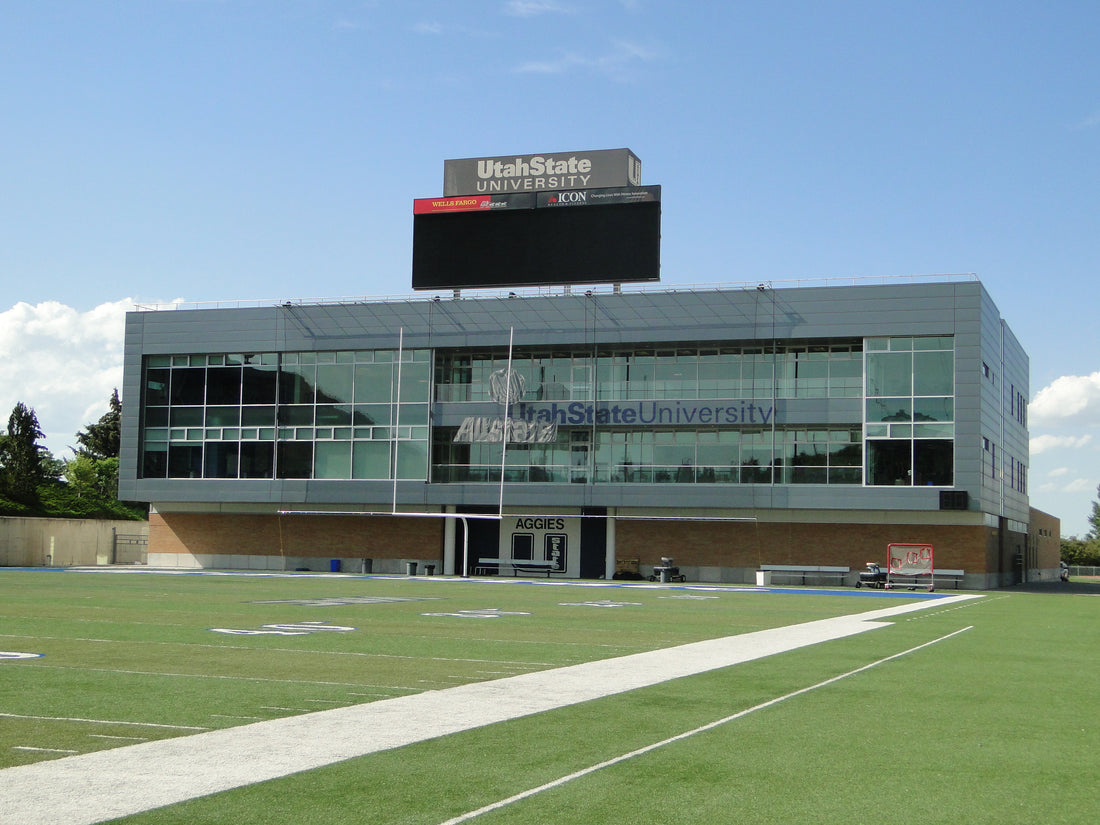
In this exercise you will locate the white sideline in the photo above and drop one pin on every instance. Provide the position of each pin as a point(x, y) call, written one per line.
point(103, 785)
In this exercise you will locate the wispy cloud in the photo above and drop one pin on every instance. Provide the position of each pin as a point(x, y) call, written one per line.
point(1043, 443)
point(1092, 121)
point(533, 8)
point(1079, 485)
point(428, 27)
point(614, 63)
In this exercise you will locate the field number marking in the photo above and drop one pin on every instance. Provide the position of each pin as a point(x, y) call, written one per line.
point(299, 629)
point(343, 601)
point(600, 603)
point(484, 613)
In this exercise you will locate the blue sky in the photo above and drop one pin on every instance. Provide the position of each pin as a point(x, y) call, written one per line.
point(267, 149)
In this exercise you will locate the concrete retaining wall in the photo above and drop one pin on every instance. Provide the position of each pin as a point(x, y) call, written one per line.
point(60, 542)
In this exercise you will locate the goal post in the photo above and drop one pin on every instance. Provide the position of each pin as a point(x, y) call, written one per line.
point(910, 561)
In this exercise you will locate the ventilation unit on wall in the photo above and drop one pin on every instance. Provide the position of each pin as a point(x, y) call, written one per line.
point(954, 499)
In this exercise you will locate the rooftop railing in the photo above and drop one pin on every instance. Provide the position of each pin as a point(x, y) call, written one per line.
point(563, 290)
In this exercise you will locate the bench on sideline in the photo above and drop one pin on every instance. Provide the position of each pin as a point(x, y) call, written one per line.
point(801, 571)
point(490, 566)
point(938, 576)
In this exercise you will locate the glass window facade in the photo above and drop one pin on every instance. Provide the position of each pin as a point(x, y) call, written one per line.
point(665, 456)
point(823, 370)
point(304, 415)
point(665, 393)
point(909, 411)
point(675, 414)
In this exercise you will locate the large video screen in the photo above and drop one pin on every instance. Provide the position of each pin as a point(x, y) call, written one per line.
point(551, 244)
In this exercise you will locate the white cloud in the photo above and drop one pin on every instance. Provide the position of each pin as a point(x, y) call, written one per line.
point(1063, 418)
point(533, 8)
point(1091, 121)
point(1042, 443)
point(1069, 398)
point(61, 363)
point(1079, 485)
point(614, 63)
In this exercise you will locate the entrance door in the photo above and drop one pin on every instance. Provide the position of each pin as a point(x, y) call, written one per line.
point(593, 543)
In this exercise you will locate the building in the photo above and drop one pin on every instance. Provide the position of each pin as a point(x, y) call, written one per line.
point(724, 427)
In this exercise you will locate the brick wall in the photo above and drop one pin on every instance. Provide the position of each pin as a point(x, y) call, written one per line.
point(698, 543)
point(718, 544)
point(307, 536)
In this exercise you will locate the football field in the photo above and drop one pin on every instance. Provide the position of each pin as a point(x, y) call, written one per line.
point(150, 697)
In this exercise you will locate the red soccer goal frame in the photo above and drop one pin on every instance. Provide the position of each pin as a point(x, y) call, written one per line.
point(910, 560)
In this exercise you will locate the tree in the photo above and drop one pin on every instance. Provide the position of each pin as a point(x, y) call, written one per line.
point(1094, 519)
point(81, 475)
point(1080, 552)
point(52, 466)
point(21, 454)
point(101, 440)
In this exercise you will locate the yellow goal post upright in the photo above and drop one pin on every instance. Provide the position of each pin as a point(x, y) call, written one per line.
point(910, 561)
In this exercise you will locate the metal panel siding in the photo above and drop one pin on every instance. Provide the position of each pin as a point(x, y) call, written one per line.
point(960, 309)
point(130, 395)
point(602, 319)
point(1009, 369)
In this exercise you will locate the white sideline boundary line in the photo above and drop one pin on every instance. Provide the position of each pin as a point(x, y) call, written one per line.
point(104, 785)
point(557, 783)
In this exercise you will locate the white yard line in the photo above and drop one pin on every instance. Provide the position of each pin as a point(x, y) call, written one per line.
point(562, 780)
point(98, 722)
point(104, 785)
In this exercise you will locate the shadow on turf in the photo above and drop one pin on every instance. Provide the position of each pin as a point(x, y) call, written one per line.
point(1078, 586)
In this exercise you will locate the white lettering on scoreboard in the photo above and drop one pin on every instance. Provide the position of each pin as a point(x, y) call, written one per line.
point(530, 173)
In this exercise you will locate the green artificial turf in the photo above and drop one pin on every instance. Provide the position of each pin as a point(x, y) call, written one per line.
point(990, 725)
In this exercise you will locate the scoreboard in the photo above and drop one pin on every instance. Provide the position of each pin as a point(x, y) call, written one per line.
point(573, 236)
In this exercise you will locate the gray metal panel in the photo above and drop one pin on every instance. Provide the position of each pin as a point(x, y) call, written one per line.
point(739, 315)
point(635, 318)
point(130, 395)
point(726, 497)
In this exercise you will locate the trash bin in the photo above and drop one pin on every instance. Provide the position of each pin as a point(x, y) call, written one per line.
point(763, 578)
point(334, 566)
point(368, 565)
point(429, 569)
point(410, 568)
